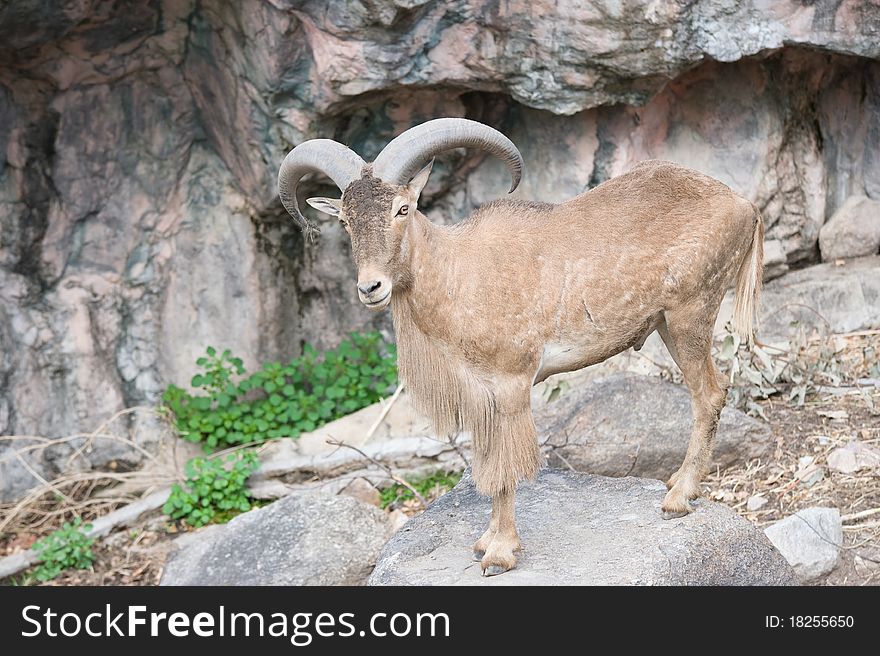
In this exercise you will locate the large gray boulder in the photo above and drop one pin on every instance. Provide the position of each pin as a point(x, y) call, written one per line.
point(853, 230)
point(579, 529)
point(630, 424)
point(307, 539)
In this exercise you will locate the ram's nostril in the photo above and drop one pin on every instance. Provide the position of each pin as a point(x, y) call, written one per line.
point(369, 287)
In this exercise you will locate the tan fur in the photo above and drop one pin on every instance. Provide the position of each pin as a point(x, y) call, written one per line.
point(456, 399)
point(748, 286)
point(520, 291)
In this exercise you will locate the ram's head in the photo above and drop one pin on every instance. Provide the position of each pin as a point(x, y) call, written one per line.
point(379, 199)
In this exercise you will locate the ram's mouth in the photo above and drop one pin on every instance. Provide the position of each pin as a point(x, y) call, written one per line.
point(377, 304)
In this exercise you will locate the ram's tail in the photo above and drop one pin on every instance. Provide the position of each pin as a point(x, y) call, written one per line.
point(748, 285)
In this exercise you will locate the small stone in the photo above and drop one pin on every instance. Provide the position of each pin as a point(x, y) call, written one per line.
point(810, 541)
point(362, 490)
point(811, 475)
point(755, 502)
point(397, 519)
point(853, 457)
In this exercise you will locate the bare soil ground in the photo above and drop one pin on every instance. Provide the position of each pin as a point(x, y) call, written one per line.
point(814, 430)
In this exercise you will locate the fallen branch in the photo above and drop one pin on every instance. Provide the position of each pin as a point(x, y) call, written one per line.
point(35, 494)
point(854, 517)
point(384, 413)
point(403, 453)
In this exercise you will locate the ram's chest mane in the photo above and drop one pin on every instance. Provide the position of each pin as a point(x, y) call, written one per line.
point(439, 384)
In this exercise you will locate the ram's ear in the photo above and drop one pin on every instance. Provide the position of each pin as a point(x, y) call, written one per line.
point(331, 206)
point(421, 179)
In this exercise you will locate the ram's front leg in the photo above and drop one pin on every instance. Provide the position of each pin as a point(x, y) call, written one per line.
point(505, 452)
point(496, 549)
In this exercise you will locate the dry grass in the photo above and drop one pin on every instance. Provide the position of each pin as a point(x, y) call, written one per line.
point(85, 494)
point(804, 432)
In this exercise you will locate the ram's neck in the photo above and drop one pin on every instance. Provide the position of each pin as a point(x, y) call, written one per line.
point(430, 254)
point(420, 309)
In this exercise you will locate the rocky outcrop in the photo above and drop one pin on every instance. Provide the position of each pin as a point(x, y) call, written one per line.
point(314, 539)
point(140, 143)
point(633, 425)
point(584, 530)
point(852, 231)
point(831, 297)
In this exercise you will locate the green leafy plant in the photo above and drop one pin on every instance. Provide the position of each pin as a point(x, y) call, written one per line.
point(214, 490)
point(431, 486)
point(67, 547)
point(281, 400)
point(219, 371)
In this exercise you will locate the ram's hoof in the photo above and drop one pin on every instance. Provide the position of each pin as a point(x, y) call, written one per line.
point(478, 555)
point(494, 570)
point(678, 514)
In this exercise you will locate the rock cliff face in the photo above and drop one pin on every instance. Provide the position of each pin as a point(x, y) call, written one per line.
point(140, 140)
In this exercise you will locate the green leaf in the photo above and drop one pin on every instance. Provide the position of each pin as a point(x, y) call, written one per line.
point(728, 348)
point(317, 386)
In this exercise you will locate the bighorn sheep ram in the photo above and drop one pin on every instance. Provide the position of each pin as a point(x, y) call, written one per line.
point(520, 291)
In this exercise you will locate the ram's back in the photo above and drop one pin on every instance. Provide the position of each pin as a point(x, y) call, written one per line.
point(601, 267)
point(659, 216)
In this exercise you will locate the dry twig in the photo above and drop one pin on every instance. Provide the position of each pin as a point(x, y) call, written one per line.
point(384, 467)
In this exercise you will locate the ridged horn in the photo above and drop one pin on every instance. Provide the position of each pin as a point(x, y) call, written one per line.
point(400, 160)
point(333, 159)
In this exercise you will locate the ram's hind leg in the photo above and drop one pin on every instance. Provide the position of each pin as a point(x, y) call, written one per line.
point(688, 336)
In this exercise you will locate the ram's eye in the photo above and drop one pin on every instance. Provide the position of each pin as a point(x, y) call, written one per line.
point(403, 210)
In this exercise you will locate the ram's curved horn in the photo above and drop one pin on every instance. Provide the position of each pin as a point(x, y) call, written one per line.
point(400, 160)
point(336, 161)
